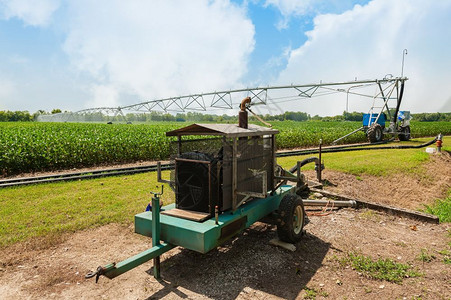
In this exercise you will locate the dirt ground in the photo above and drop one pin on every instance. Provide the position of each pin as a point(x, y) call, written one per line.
point(246, 268)
point(249, 267)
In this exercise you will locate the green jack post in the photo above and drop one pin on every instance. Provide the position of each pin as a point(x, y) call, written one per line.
point(156, 230)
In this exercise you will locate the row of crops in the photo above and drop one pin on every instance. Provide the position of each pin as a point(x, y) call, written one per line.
point(29, 147)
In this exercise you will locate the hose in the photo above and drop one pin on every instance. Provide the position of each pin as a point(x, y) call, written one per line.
point(346, 149)
point(395, 115)
point(304, 162)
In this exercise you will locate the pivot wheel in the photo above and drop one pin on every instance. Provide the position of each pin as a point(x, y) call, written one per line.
point(404, 135)
point(290, 223)
point(374, 133)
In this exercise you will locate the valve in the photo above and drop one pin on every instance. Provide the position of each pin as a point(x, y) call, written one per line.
point(156, 195)
point(439, 142)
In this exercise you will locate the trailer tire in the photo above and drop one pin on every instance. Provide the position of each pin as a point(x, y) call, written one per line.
point(291, 219)
point(404, 135)
point(374, 133)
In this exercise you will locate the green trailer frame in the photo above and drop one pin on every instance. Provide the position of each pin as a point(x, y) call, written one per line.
point(168, 232)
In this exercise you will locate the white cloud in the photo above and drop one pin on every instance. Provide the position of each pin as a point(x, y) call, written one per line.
point(289, 8)
point(30, 12)
point(367, 42)
point(104, 96)
point(296, 8)
point(159, 48)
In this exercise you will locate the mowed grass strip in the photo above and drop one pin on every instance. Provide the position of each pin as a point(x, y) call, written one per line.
point(373, 162)
point(57, 208)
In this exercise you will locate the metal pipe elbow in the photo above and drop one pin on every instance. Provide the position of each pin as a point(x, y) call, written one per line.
point(244, 102)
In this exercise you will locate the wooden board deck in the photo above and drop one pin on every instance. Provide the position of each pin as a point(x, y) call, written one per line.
point(187, 214)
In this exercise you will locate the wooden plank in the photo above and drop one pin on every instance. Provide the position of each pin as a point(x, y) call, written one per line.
point(187, 214)
point(385, 208)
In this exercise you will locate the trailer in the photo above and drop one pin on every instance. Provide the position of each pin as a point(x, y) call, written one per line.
point(225, 178)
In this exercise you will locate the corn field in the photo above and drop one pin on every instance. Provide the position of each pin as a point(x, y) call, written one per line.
point(31, 147)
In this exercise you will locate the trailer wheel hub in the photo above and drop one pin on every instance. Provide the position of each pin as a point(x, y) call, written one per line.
point(297, 219)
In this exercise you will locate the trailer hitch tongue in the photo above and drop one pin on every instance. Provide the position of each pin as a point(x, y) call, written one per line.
point(100, 271)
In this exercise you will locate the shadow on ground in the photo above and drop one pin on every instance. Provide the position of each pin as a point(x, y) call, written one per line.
point(247, 261)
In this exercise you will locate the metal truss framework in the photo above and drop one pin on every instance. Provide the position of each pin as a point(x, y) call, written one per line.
point(231, 99)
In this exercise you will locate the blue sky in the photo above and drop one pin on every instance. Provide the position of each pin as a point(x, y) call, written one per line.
point(81, 54)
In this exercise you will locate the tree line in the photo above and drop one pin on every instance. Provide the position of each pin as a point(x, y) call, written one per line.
point(25, 116)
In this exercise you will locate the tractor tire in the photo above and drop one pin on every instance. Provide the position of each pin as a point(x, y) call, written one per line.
point(404, 135)
point(291, 219)
point(374, 133)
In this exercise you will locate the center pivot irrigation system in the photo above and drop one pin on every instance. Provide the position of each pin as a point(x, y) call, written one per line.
point(382, 92)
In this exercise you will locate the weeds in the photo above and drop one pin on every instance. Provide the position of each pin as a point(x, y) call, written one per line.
point(310, 293)
point(382, 269)
point(400, 244)
point(370, 215)
point(441, 208)
point(446, 256)
point(425, 257)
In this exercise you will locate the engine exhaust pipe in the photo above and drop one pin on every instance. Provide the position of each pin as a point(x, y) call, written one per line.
point(242, 115)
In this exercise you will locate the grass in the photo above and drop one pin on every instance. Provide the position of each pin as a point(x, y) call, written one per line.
point(441, 208)
point(381, 269)
point(57, 208)
point(371, 162)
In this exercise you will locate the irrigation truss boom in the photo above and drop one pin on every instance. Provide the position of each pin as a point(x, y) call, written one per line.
point(230, 99)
